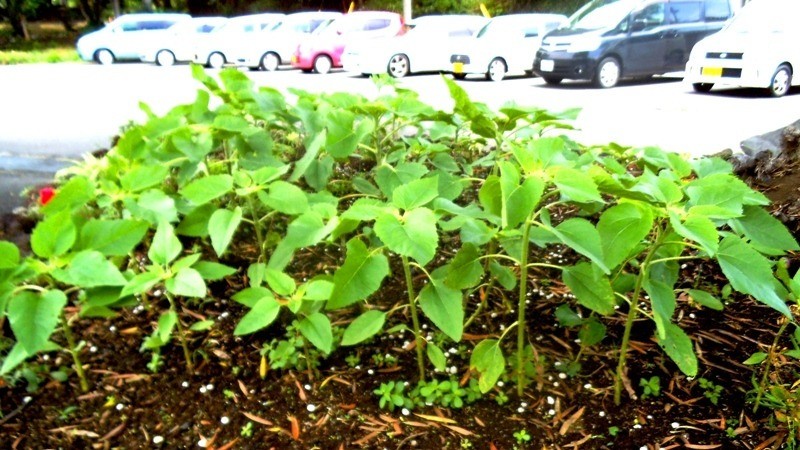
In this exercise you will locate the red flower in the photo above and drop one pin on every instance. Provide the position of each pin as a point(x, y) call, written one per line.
point(46, 194)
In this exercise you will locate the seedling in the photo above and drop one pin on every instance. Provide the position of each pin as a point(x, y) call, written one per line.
point(651, 387)
point(711, 391)
point(522, 436)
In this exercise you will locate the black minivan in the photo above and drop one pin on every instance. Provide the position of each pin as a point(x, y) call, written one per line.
point(607, 40)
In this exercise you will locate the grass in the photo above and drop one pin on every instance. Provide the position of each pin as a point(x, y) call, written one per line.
point(49, 43)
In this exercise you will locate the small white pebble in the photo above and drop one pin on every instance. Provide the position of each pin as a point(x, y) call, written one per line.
point(453, 350)
point(93, 349)
point(587, 386)
point(524, 404)
point(202, 443)
point(562, 376)
point(209, 387)
point(405, 411)
point(520, 410)
point(185, 384)
point(675, 425)
point(203, 389)
point(637, 426)
point(453, 370)
point(158, 439)
point(224, 420)
point(500, 384)
point(424, 326)
point(27, 399)
point(649, 417)
point(692, 316)
point(46, 357)
point(307, 387)
point(120, 406)
point(311, 407)
point(555, 384)
point(601, 414)
point(551, 400)
point(371, 372)
point(551, 412)
point(644, 447)
point(113, 329)
point(557, 363)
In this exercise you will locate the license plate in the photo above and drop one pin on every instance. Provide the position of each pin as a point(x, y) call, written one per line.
point(458, 67)
point(712, 71)
point(294, 59)
point(547, 65)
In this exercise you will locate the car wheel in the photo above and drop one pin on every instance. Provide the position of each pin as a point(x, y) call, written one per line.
point(165, 58)
point(781, 81)
point(497, 70)
point(552, 81)
point(459, 76)
point(608, 73)
point(104, 57)
point(399, 66)
point(322, 64)
point(270, 61)
point(702, 87)
point(216, 60)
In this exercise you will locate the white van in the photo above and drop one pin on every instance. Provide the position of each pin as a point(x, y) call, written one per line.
point(758, 48)
point(126, 37)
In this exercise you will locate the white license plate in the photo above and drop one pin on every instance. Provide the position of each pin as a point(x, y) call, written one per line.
point(547, 65)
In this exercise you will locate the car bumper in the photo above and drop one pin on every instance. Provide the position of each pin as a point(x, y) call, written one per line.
point(465, 64)
point(726, 73)
point(572, 66)
point(302, 61)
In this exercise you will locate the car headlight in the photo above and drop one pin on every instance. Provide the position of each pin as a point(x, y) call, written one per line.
point(584, 44)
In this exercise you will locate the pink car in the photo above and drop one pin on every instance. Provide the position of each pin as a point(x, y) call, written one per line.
point(323, 50)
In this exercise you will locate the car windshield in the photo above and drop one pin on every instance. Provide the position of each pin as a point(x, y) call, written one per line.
point(601, 14)
point(302, 24)
point(503, 27)
point(764, 16)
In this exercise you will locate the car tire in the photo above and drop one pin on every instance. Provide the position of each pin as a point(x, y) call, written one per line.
point(781, 81)
point(459, 76)
point(552, 80)
point(270, 61)
point(497, 70)
point(165, 58)
point(216, 60)
point(104, 57)
point(702, 87)
point(322, 64)
point(608, 73)
point(398, 66)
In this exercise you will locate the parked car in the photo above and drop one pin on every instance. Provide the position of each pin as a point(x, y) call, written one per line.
point(322, 50)
point(607, 40)
point(126, 36)
point(271, 49)
point(758, 48)
point(505, 45)
point(425, 47)
point(217, 48)
point(178, 43)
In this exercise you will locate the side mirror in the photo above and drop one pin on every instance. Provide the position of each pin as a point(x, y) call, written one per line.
point(639, 25)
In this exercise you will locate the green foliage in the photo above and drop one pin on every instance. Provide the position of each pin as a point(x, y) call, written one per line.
point(651, 387)
point(711, 391)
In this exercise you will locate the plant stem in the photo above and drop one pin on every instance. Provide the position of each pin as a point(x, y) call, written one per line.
point(261, 244)
point(523, 294)
point(73, 350)
point(767, 366)
point(181, 334)
point(414, 318)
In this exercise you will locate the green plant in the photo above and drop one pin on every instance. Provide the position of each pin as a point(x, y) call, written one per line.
point(651, 387)
point(613, 431)
point(711, 391)
point(392, 395)
point(247, 430)
point(522, 436)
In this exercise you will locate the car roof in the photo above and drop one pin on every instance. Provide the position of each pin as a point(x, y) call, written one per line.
point(153, 16)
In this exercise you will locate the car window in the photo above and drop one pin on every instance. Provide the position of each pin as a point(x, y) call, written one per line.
point(130, 26)
point(649, 17)
point(376, 24)
point(685, 12)
point(461, 32)
point(531, 31)
point(717, 10)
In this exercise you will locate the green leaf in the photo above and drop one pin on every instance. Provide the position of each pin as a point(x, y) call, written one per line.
point(491, 196)
point(285, 197)
point(518, 200)
point(14, 358)
point(764, 230)
point(575, 185)
point(222, 226)
point(195, 223)
point(213, 271)
point(344, 134)
point(364, 327)
point(465, 270)
point(487, 358)
point(697, 228)
point(34, 317)
point(662, 299)
point(749, 272)
point(76, 193)
point(705, 299)
point(436, 356)
point(317, 329)
point(54, 236)
point(9, 255)
point(622, 228)
point(194, 144)
point(252, 295)
point(279, 282)
point(592, 332)
point(202, 190)
point(166, 323)
point(443, 306)
point(142, 282)
point(112, 237)
point(723, 191)
point(318, 290)
point(202, 325)
point(187, 283)
point(360, 275)
point(755, 359)
point(416, 193)
point(144, 177)
point(155, 207)
point(263, 313)
point(660, 188)
point(583, 237)
point(503, 275)
point(678, 346)
point(230, 123)
point(390, 177)
point(165, 246)
point(567, 317)
point(90, 269)
point(591, 287)
point(413, 235)
point(319, 173)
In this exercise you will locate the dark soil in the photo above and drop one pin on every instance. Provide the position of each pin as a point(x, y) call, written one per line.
point(226, 404)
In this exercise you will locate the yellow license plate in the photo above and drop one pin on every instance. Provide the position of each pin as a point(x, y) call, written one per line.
point(294, 59)
point(458, 67)
point(712, 71)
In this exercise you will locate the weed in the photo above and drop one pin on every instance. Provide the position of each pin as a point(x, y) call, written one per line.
point(710, 390)
point(651, 387)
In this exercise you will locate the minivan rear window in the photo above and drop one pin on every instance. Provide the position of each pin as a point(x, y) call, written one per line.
point(686, 12)
point(717, 10)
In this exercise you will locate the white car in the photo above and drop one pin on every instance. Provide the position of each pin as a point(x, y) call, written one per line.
point(217, 48)
point(426, 47)
point(126, 37)
point(178, 43)
point(758, 48)
point(273, 48)
point(506, 45)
